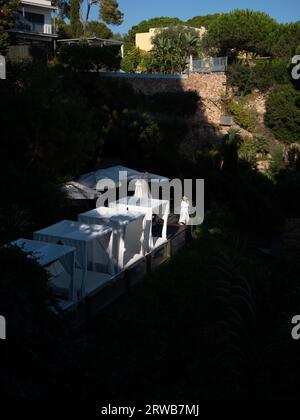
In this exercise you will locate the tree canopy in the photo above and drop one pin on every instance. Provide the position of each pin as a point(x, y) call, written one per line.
point(241, 30)
point(199, 21)
point(79, 18)
point(63, 7)
point(285, 40)
point(172, 48)
point(109, 12)
point(283, 113)
point(7, 10)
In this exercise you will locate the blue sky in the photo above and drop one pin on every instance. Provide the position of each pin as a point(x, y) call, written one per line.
point(137, 10)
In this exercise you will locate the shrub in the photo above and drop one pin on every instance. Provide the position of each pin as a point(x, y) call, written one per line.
point(134, 137)
point(283, 113)
point(172, 48)
point(262, 76)
point(277, 161)
point(250, 148)
point(85, 57)
point(245, 117)
point(132, 60)
point(239, 77)
point(248, 152)
point(63, 123)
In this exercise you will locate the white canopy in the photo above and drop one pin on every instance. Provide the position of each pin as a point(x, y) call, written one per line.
point(77, 191)
point(128, 232)
point(150, 207)
point(86, 186)
point(142, 189)
point(47, 255)
point(92, 242)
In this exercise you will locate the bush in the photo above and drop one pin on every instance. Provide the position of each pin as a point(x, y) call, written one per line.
point(245, 117)
point(172, 48)
point(277, 161)
point(85, 57)
point(132, 60)
point(262, 76)
point(63, 123)
point(250, 148)
point(283, 113)
point(139, 147)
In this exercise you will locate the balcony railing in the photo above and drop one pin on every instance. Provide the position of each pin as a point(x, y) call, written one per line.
point(25, 25)
point(210, 65)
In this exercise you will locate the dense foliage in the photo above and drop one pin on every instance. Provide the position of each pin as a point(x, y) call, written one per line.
point(7, 10)
point(76, 24)
point(85, 57)
point(240, 30)
point(109, 12)
point(283, 113)
point(79, 14)
point(285, 40)
point(91, 29)
point(262, 76)
point(244, 117)
point(199, 21)
point(172, 48)
point(133, 61)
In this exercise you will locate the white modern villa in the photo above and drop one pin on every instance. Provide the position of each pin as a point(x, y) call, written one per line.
point(34, 27)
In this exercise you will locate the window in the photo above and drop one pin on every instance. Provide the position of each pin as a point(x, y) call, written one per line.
point(36, 21)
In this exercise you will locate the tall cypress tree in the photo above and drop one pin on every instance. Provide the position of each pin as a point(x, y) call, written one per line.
point(75, 21)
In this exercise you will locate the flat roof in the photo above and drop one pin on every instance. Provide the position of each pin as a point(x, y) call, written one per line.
point(33, 3)
point(91, 40)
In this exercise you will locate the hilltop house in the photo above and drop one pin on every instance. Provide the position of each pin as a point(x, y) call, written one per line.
point(143, 40)
point(34, 29)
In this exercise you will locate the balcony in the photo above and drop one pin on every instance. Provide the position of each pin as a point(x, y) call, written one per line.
point(33, 23)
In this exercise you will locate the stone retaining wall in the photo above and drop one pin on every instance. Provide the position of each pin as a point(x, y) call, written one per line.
point(209, 86)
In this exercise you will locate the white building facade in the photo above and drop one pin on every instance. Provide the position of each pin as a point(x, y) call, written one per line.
point(34, 27)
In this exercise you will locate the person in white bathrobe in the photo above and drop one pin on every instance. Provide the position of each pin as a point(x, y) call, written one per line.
point(184, 211)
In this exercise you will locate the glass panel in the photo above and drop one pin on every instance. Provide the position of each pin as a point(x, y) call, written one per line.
point(36, 21)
